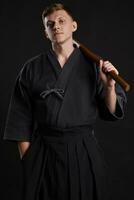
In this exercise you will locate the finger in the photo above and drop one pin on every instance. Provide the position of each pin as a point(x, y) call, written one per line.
point(113, 69)
point(106, 62)
point(110, 68)
point(101, 63)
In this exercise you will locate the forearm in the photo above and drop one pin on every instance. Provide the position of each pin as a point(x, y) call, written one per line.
point(23, 146)
point(110, 98)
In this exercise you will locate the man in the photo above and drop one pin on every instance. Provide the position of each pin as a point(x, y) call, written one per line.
point(55, 102)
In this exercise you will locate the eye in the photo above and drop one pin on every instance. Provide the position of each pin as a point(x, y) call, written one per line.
point(50, 24)
point(61, 21)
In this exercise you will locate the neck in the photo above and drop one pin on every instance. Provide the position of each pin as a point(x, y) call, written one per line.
point(63, 50)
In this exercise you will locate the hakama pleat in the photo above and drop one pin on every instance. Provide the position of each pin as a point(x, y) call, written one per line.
point(65, 167)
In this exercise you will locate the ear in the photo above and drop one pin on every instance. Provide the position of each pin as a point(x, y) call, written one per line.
point(74, 26)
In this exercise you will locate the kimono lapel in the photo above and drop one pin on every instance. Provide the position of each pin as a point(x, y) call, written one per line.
point(61, 83)
point(54, 62)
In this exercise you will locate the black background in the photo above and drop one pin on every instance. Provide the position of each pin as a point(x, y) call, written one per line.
point(104, 26)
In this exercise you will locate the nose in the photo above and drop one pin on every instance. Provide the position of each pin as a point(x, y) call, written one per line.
point(56, 26)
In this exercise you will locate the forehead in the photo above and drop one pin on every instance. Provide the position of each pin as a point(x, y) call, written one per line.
point(57, 14)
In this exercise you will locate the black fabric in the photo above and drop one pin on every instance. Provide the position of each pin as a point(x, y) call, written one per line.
point(68, 100)
point(20, 119)
point(65, 164)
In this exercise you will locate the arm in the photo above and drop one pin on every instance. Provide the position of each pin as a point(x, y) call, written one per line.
point(109, 85)
point(23, 147)
point(110, 98)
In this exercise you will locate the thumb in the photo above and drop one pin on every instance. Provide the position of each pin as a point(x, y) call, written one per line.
point(100, 65)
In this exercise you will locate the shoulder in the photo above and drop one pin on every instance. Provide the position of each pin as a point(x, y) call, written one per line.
point(33, 64)
point(92, 65)
point(33, 61)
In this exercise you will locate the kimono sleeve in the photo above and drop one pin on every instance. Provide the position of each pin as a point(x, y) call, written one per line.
point(19, 124)
point(121, 101)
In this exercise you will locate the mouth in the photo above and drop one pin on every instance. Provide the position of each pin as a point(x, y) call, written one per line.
point(57, 34)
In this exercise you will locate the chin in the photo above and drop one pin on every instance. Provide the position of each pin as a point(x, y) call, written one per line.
point(62, 41)
point(59, 41)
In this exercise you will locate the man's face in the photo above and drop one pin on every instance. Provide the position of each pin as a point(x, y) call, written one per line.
point(59, 26)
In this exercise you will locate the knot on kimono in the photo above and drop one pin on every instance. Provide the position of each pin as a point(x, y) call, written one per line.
point(57, 91)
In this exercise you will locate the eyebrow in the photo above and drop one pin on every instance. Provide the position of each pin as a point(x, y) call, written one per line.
point(50, 21)
point(58, 18)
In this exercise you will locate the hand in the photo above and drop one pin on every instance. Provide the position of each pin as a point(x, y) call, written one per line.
point(106, 66)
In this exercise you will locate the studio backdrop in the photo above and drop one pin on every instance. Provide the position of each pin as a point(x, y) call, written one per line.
point(106, 27)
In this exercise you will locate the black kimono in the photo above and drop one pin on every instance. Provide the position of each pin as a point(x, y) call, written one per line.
point(55, 109)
